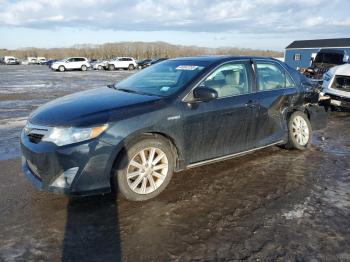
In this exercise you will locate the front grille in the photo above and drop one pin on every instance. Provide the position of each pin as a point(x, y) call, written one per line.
point(342, 83)
point(35, 138)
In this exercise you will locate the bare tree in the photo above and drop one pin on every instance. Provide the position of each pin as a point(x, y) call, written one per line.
point(138, 50)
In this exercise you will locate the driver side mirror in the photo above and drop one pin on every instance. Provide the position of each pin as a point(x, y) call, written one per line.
point(204, 94)
point(346, 59)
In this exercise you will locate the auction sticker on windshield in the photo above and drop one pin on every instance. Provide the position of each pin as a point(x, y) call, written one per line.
point(186, 67)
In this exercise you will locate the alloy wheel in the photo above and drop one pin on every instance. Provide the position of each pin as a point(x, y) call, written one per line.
point(147, 170)
point(300, 130)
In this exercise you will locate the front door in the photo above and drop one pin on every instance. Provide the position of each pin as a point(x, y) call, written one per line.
point(219, 127)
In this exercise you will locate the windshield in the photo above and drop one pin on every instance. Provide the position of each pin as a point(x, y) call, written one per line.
point(162, 79)
point(329, 58)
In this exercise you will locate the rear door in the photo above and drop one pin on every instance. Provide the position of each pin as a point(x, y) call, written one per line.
point(219, 127)
point(123, 62)
point(275, 92)
point(70, 63)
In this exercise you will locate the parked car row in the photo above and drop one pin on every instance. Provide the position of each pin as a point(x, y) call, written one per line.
point(9, 60)
point(124, 63)
point(148, 62)
point(83, 64)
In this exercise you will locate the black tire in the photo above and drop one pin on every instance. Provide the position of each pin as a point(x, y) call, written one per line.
point(83, 68)
point(131, 67)
point(99, 67)
point(123, 166)
point(61, 68)
point(292, 138)
point(111, 67)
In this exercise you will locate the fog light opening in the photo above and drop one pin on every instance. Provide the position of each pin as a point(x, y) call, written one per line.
point(66, 178)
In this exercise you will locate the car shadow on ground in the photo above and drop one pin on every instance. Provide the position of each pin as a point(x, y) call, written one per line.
point(92, 230)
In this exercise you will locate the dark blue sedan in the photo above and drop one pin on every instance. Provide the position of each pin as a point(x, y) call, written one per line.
point(178, 114)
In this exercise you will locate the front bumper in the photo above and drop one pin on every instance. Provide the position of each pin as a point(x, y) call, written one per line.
point(54, 66)
point(44, 163)
point(340, 101)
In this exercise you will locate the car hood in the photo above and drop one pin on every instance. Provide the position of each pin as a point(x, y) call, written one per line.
point(92, 107)
point(343, 70)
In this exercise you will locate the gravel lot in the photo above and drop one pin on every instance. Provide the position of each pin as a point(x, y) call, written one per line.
point(272, 205)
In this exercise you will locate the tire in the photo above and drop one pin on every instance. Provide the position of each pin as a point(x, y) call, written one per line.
point(83, 68)
point(99, 67)
point(131, 67)
point(139, 186)
point(111, 67)
point(61, 68)
point(299, 131)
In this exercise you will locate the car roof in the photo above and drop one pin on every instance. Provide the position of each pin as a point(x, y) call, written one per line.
point(221, 58)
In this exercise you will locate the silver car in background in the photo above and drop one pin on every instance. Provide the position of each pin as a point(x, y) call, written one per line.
point(336, 84)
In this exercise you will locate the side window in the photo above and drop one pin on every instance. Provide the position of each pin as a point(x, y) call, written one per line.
point(229, 80)
point(70, 60)
point(271, 76)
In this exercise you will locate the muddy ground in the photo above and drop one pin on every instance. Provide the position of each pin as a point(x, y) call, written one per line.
point(272, 205)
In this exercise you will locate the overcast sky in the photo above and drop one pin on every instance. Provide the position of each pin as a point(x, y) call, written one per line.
point(262, 24)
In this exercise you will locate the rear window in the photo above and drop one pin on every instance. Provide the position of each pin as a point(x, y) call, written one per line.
point(272, 76)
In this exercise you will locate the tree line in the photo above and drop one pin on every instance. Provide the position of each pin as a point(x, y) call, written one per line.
point(138, 50)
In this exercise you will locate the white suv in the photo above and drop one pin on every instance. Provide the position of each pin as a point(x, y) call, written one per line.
point(71, 63)
point(122, 63)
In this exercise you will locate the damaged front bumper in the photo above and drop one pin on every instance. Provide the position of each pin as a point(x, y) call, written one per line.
point(78, 169)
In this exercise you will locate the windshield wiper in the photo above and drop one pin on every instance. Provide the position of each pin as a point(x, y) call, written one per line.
point(135, 92)
point(127, 90)
point(111, 86)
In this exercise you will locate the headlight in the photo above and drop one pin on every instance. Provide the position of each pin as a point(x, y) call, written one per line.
point(69, 135)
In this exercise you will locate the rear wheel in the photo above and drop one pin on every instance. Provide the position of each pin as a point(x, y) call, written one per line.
point(299, 131)
point(99, 67)
point(111, 67)
point(145, 169)
point(131, 67)
point(61, 68)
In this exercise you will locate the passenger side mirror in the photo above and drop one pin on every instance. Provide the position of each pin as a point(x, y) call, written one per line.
point(346, 59)
point(204, 94)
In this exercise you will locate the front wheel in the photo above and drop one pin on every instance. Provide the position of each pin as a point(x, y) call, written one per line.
point(83, 68)
point(299, 131)
point(145, 169)
point(111, 67)
point(131, 67)
point(61, 68)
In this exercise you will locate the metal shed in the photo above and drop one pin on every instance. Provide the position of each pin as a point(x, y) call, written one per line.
point(298, 54)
